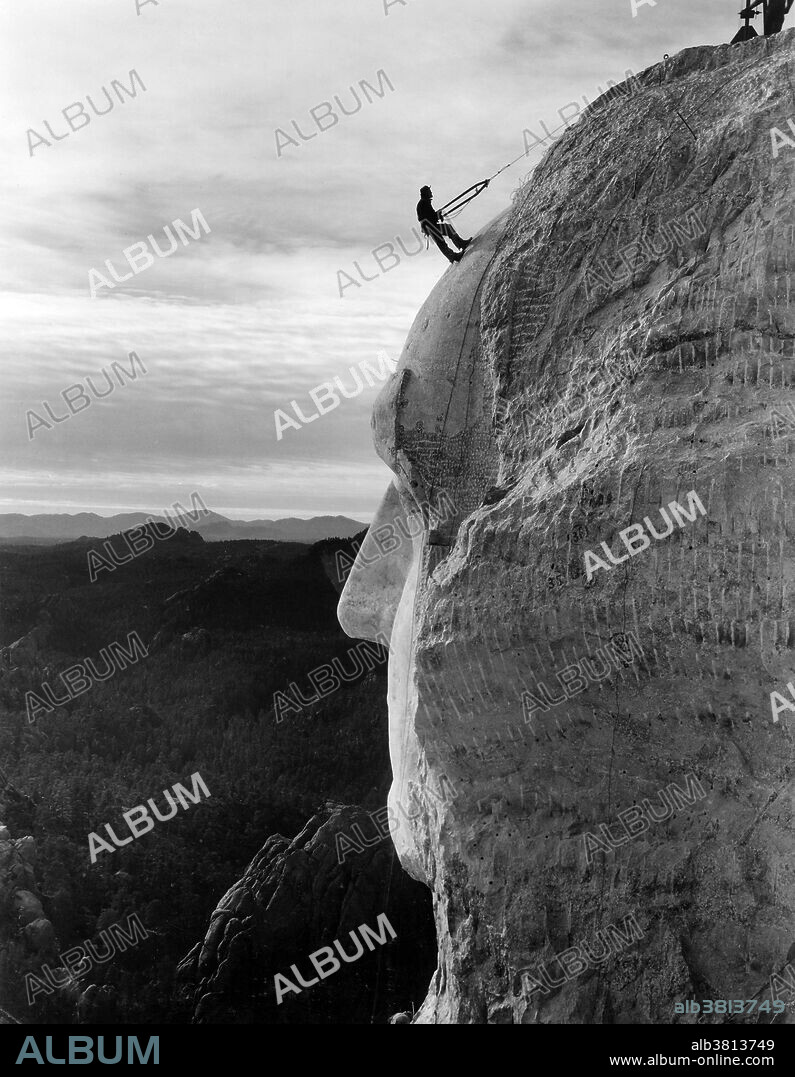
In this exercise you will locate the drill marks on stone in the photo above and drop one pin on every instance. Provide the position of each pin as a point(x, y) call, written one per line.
point(480, 682)
point(464, 465)
point(463, 672)
point(501, 648)
point(432, 699)
point(532, 290)
point(436, 679)
point(485, 668)
point(531, 313)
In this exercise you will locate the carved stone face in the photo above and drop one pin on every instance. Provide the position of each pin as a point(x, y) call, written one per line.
point(587, 770)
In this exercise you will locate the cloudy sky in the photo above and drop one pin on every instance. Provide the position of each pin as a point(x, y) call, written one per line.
point(244, 320)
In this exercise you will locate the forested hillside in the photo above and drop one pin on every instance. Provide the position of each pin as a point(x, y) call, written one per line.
point(226, 625)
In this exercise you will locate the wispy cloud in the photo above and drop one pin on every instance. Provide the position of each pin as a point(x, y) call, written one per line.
point(248, 318)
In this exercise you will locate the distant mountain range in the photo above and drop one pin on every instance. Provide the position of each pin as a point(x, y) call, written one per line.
point(63, 527)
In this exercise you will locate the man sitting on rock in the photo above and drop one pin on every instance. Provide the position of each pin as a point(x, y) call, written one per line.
point(432, 225)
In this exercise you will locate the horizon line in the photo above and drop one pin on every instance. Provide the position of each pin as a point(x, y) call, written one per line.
point(294, 515)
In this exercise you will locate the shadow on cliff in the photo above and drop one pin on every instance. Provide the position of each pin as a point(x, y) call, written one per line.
point(295, 898)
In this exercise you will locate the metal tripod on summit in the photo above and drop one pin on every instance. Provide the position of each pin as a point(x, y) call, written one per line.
point(433, 222)
point(773, 12)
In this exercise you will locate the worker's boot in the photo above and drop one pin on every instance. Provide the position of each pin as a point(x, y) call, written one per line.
point(455, 256)
point(464, 244)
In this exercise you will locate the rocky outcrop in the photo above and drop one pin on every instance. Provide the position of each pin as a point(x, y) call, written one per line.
point(591, 668)
point(23, 660)
point(27, 937)
point(296, 897)
point(26, 651)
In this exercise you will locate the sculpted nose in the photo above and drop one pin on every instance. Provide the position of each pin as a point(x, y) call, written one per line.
point(374, 587)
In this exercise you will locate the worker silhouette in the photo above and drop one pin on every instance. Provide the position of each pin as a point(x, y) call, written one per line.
point(432, 224)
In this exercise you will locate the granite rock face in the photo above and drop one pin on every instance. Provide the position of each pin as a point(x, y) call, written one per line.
point(604, 387)
point(296, 897)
